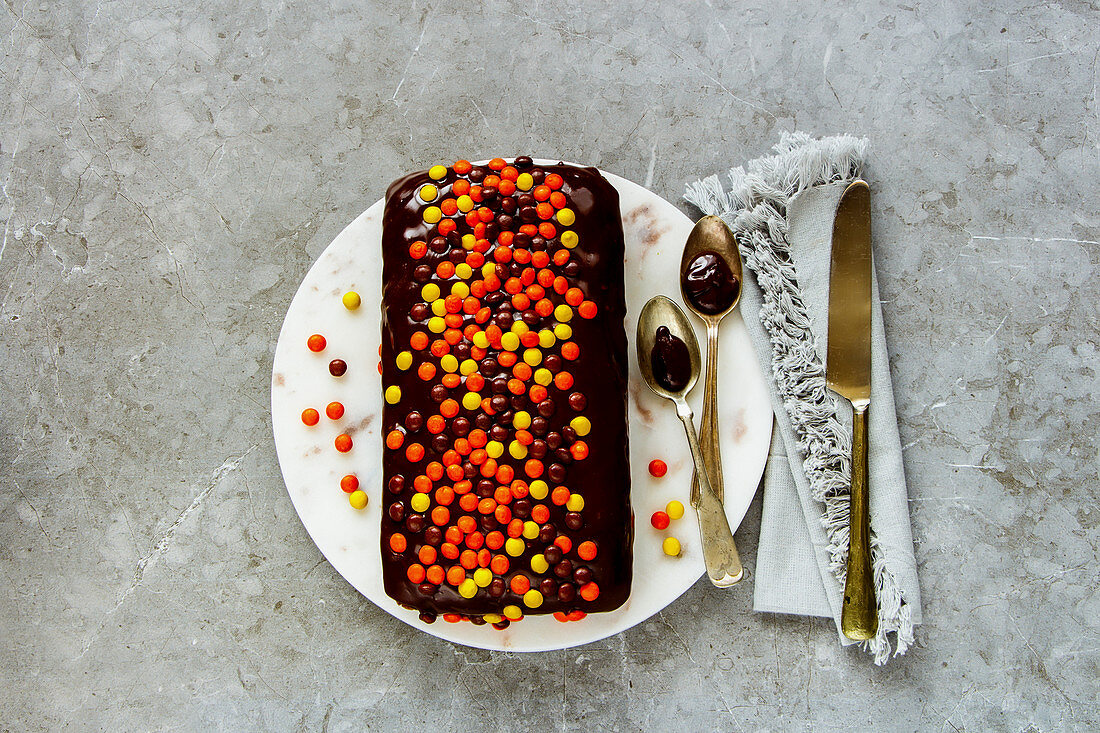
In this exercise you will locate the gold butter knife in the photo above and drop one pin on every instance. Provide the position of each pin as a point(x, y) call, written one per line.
point(849, 375)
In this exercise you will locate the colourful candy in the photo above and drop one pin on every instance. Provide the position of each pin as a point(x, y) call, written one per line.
point(659, 520)
point(357, 499)
point(657, 468)
point(316, 343)
point(674, 509)
point(310, 416)
point(671, 547)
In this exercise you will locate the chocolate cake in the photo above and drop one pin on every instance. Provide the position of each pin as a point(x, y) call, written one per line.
point(504, 367)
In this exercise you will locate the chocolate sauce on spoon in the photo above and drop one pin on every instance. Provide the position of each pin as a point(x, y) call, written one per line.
point(710, 284)
point(670, 360)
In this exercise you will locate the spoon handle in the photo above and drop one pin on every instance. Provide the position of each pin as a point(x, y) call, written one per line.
point(708, 422)
point(719, 550)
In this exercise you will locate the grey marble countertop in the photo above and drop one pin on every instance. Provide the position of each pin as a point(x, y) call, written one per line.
point(169, 172)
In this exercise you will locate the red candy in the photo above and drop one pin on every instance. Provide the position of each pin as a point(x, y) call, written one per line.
point(316, 343)
point(657, 468)
point(659, 520)
point(334, 411)
point(349, 483)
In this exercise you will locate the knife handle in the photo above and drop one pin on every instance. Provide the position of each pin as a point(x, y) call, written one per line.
point(859, 616)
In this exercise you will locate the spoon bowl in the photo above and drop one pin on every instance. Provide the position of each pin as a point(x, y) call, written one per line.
point(711, 235)
point(661, 311)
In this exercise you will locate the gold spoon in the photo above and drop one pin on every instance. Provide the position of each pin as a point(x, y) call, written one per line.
point(711, 256)
point(719, 551)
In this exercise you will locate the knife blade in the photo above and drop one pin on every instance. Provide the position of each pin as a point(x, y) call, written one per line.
point(848, 373)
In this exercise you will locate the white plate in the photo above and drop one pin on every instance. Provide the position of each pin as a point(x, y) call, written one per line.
point(655, 234)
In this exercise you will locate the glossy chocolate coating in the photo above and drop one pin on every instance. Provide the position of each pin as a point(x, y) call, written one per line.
point(600, 374)
point(709, 284)
point(670, 360)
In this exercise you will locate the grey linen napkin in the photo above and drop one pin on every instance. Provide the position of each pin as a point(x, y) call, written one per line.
point(781, 210)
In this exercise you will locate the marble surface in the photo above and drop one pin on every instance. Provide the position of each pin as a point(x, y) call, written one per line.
point(169, 172)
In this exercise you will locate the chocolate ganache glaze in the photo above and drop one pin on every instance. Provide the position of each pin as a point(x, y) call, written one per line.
point(709, 283)
point(670, 360)
point(504, 362)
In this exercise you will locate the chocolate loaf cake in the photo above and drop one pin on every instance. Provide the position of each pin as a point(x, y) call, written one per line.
point(504, 366)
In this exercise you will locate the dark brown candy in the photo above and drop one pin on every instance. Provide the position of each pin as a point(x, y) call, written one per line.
point(337, 367)
point(396, 511)
point(396, 483)
point(414, 421)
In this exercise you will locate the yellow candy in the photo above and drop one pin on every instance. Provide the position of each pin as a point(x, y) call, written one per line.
point(524, 182)
point(493, 618)
point(581, 425)
point(429, 292)
point(393, 394)
point(521, 420)
point(674, 509)
point(437, 171)
point(530, 529)
point(512, 613)
point(352, 300)
point(449, 363)
point(538, 489)
point(404, 360)
point(420, 502)
point(494, 448)
point(465, 203)
point(575, 503)
point(671, 546)
point(563, 313)
point(566, 217)
point(427, 193)
point(563, 331)
point(471, 400)
point(488, 269)
point(547, 338)
point(460, 289)
point(483, 577)
point(432, 215)
point(467, 367)
point(467, 588)
point(509, 341)
point(533, 357)
point(357, 499)
point(481, 340)
point(468, 242)
point(517, 450)
point(437, 324)
point(543, 377)
point(532, 598)
point(439, 307)
point(539, 564)
point(569, 239)
point(519, 328)
point(514, 546)
point(464, 271)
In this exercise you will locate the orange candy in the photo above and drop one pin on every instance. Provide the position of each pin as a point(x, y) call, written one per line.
point(579, 450)
point(520, 584)
point(540, 513)
point(468, 559)
point(462, 167)
point(435, 424)
point(570, 351)
point(563, 543)
point(574, 296)
point(398, 543)
point(541, 192)
point(395, 439)
point(487, 505)
point(474, 539)
point(496, 164)
point(416, 573)
point(413, 453)
point(310, 416)
point(557, 200)
point(554, 181)
point(503, 514)
point(422, 484)
point(563, 380)
point(334, 410)
point(435, 575)
point(426, 554)
point(494, 540)
point(560, 495)
point(515, 528)
point(450, 381)
point(466, 524)
point(499, 564)
point(590, 591)
point(453, 535)
point(426, 371)
point(449, 551)
point(587, 550)
point(456, 575)
point(448, 408)
point(349, 483)
point(444, 495)
point(419, 341)
point(538, 393)
point(434, 470)
point(447, 226)
point(468, 502)
point(418, 249)
point(587, 309)
point(343, 442)
point(316, 343)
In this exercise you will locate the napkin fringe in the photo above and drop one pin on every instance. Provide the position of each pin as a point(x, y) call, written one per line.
point(755, 207)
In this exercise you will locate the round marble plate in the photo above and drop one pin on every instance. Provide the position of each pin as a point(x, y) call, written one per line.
point(655, 234)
